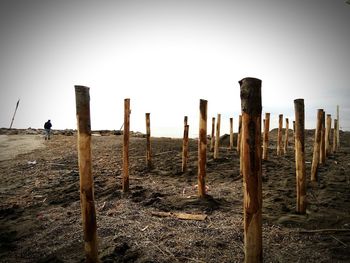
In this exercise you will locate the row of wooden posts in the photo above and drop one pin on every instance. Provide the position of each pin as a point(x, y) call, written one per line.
point(252, 149)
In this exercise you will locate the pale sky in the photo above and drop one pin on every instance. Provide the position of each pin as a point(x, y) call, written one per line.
point(166, 56)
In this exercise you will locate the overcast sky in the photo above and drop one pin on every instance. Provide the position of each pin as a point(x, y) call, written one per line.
point(166, 55)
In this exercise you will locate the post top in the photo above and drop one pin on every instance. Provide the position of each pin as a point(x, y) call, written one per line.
point(299, 101)
point(251, 96)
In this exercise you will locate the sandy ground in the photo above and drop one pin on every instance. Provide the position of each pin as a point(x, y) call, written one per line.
point(40, 219)
point(11, 146)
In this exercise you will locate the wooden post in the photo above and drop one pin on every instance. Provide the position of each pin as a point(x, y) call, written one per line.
point(300, 155)
point(148, 142)
point(185, 121)
point(217, 137)
point(239, 134)
point(266, 136)
point(239, 144)
point(323, 144)
point(202, 147)
point(294, 132)
point(279, 135)
point(125, 183)
point(338, 125)
point(82, 99)
point(185, 146)
point(212, 141)
point(335, 135)
point(317, 146)
point(231, 134)
point(251, 168)
point(285, 149)
point(328, 135)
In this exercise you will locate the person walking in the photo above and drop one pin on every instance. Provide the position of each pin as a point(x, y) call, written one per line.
point(47, 127)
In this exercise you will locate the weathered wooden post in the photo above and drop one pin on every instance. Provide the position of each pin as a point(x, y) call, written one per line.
point(335, 135)
point(294, 132)
point(202, 147)
point(231, 134)
point(328, 134)
point(185, 146)
point(266, 136)
point(239, 134)
point(185, 121)
point(239, 143)
point(285, 149)
point(338, 125)
point(148, 142)
point(279, 135)
point(251, 168)
point(212, 141)
point(82, 100)
point(323, 144)
point(317, 145)
point(217, 137)
point(125, 183)
point(300, 155)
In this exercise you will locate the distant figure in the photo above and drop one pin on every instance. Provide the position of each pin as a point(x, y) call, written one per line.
point(47, 127)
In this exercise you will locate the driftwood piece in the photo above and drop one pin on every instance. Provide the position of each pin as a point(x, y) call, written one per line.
point(184, 216)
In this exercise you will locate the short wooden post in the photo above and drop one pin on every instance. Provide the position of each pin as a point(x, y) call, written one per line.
point(328, 134)
point(212, 141)
point(82, 99)
point(338, 124)
point(185, 147)
point(300, 155)
point(231, 134)
point(202, 147)
point(251, 168)
point(323, 144)
point(125, 183)
point(148, 142)
point(317, 146)
point(335, 135)
point(239, 134)
point(266, 136)
point(217, 137)
point(279, 135)
point(286, 135)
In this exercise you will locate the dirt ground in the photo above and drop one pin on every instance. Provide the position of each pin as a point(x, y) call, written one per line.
point(40, 218)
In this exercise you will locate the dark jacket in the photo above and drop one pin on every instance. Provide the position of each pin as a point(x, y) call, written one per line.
point(48, 125)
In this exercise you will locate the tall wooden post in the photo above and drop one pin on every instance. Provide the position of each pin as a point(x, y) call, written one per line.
point(185, 146)
point(251, 168)
point(338, 128)
point(323, 144)
point(125, 183)
point(202, 147)
point(335, 135)
point(328, 134)
point(239, 144)
point(279, 135)
point(294, 132)
point(300, 155)
point(266, 136)
point(285, 149)
point(82, 99)
point(239, 134)
point(231, 134)
point(317, 146)
point(212, 141)
point(148, 142)
point(217, 137)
